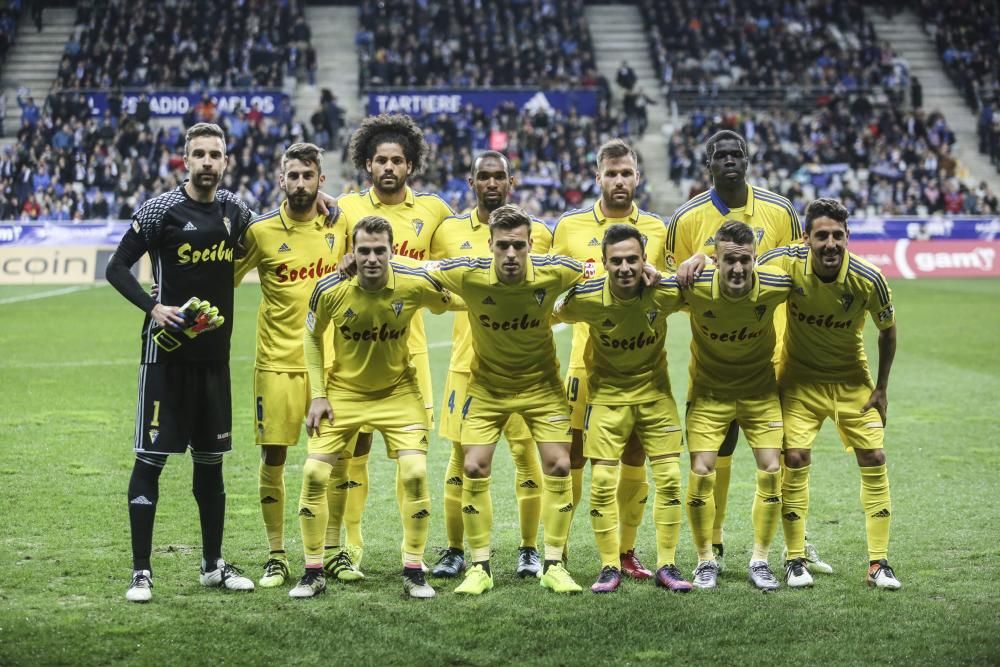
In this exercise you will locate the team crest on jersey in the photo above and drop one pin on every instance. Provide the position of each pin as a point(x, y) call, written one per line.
point(397, 307)
point(467, 245)
point(540, 296)
point(594, 242)
point(758, 233)
point(846, 300)
point(153, 435)
point(651, 315)
point(227, 223)
point(759, 311)
point(330, 241)
point(418, 226)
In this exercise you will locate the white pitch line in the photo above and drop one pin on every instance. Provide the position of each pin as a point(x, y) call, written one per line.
point(46, 294)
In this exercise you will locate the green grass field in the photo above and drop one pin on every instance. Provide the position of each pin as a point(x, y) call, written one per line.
point(68, 370)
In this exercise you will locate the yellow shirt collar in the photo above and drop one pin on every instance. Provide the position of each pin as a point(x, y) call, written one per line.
point(410, 200)
point(600, 217)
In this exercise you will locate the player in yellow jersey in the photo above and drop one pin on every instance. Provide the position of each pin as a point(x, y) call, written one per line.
point(629, 396)
point(691, 242)
point(514, 371)
point(372, 384)
point(469, 235)
point(578, 234)
point(291, 247)
point(824, 373)
point(389, 148)
point(732, 308)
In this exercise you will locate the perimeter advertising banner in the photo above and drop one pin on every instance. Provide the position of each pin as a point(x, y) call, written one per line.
point(178, 103)
point(452, 101)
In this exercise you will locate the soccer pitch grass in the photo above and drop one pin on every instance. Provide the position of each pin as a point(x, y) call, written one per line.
point(68, 371)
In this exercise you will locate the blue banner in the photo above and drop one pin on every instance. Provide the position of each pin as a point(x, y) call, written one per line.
point(453, 101)
point(178, 103)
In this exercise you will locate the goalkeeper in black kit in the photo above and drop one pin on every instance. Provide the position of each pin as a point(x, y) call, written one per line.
point(184, 390)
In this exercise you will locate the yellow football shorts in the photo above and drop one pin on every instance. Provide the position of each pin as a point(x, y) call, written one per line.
point(806, 406)
point(577, 395)
point(708, 419)
point(455, 392)
point(399, 416)
point(543, 407)
point(609, 427)
point(281, 401)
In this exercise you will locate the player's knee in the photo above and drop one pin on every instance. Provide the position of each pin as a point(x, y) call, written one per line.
point(413, 475)
point(603, 484)
point(797, 458)
point(475, 469)
point(557, 466)
point(702, 465)
point(869, 458)
point(315, 474)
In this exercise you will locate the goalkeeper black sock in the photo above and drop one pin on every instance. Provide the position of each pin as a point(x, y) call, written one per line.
point(143, 492)
point(210, 493)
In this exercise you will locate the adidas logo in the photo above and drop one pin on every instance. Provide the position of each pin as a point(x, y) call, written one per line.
point(307, 513)
point(349, 484)
point(284, 248)
point(141, 500)
point(268, 500)
point(528, 484)
point(594, 242)
point(567, 508)
point(189, 227)
point(881, 514)
point(422, 514)
point(596, 514)
point(488, 301)
point(772, 500)
point(673, 501)
point(709, 313)
point(608, 323)
point(696, 502)
point(454, 481)
point(469, 509)
point(791, 516)
point(466, 246)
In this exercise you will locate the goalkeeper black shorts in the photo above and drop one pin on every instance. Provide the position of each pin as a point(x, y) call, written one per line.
point(184, 405)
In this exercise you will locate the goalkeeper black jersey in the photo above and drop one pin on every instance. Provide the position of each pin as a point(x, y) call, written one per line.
point(192, 248)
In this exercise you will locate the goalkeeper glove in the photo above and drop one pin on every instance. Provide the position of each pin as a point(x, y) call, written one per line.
point(199, 317)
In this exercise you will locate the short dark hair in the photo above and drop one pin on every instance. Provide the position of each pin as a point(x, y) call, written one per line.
point(619, 232)
point(613, 149)
point(204, 130)
point(388, 129)
point(372, 224)
point(725, 135)
point(487, 154)
point(305, 153)
point(508, 217)
point(736, 232)
point(825, 207)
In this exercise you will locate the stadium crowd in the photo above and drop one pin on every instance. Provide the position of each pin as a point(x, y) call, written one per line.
point(483, 44)
point(876, 161)
point(8, 26)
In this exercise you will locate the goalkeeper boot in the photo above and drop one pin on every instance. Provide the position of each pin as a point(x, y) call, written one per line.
point(796, 574)
point(312, 583)
point(141, 587)
point(415, 586)
point(450, 564)
point(558, 580)
point(608, 581)
point(633, 567)
point(225, 575)
point(275, 573)
point(880, 575)
point(477, 581)
point(342, 568)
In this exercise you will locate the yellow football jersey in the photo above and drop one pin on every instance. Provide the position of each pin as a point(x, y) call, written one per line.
point(413, 221)
point(370, 329)
point(625, 357)
point(512, 340)
point(579, 234)
point(824, 340)
point(732, 341)
point(467, 236)
point(290, 257)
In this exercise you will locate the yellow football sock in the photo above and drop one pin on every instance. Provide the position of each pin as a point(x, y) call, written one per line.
point(313, 510)
point(795, 509)
point(357, 496)
point(336, 498)
point(577, 475)
point(271, 486)
point(557, 513)
point(477, 517)
point(723, 472)
point(633, 490)
point(453, 499)
point(766, 512)
point(667, 509)
point(878, 510)
point(701, 512)
point(604, 513)
point(415, 507)
point(528, 489)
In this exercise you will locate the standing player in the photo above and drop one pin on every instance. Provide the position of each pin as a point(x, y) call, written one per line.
point(291, 247)
point(578, 235)
point(824, 373)
point(629, 396)
point(514, 371)
point(389, 148)
point(184, 389)
point(469, 235)
point(372, 383)
point(732, 380)
point(691, 241)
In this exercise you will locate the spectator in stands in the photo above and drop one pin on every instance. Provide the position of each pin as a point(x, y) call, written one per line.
point(626, 77)
point(29, 110)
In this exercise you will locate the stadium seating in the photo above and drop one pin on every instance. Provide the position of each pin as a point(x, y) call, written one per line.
point(8, 26)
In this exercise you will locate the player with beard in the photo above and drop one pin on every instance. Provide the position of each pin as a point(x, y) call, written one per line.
point(579, 234)
point(468, 235)
point(389, 148)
